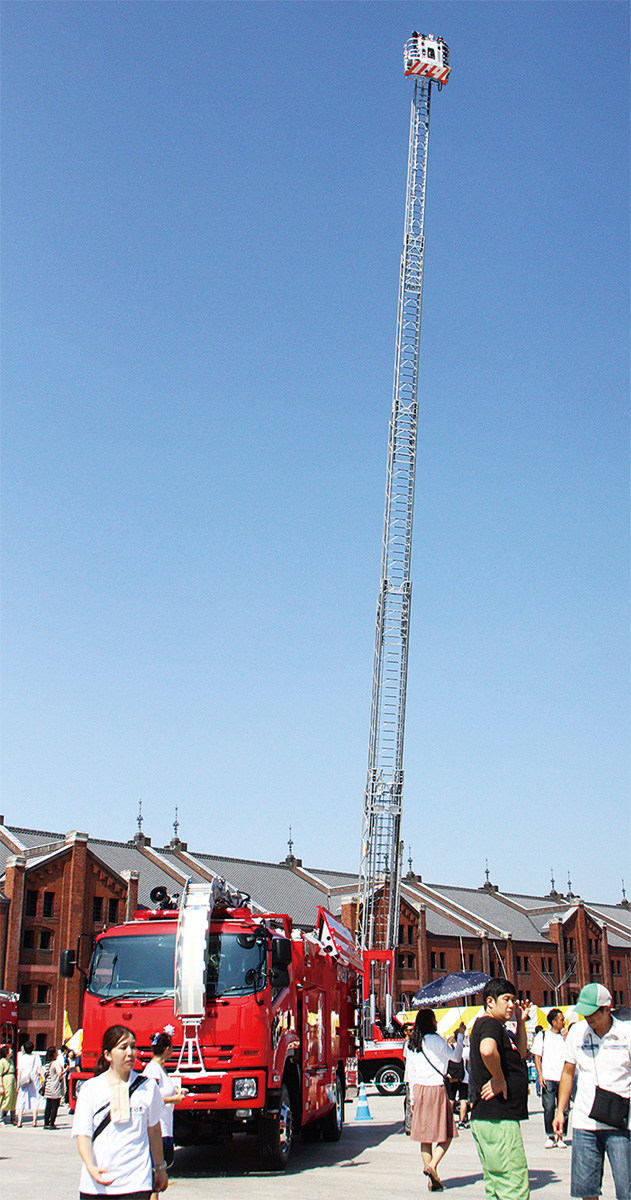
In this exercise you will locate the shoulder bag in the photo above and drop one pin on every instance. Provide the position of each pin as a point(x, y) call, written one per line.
point(609, 1108)
point(108, 1116)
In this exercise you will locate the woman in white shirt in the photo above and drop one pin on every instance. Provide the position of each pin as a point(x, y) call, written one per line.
point(432, 1117)
point(28, 1067)
point(117, 1125)
point(162, 1047)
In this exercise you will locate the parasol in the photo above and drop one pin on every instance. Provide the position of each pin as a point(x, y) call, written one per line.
point(450, 987)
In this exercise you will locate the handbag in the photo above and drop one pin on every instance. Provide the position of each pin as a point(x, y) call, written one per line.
point(609, 1108)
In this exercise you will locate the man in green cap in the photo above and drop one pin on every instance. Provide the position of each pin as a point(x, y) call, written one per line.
point(600, 1048)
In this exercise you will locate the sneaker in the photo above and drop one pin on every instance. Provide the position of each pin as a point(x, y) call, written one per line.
point(550, 1144)
point(561, 1145)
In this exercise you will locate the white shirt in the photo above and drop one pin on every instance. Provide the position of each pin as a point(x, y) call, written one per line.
point(550, 1047)
point(28, 1064)
point(435, 1049)
point(606, 1061)
point(123, 1147)
point(167, 1088)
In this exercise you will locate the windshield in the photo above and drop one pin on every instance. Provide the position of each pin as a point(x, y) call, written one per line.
point(236, 964)
point(140, 965)
point(143, 965)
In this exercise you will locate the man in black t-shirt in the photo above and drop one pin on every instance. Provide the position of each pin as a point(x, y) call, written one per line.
point(498, 1092)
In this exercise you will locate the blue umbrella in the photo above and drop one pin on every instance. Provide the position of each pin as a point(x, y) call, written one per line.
point(450, 987)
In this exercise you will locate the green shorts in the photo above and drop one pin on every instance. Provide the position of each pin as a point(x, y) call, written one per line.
point(501, 1151)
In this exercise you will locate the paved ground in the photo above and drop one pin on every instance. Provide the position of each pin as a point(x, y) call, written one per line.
point(373, 1161)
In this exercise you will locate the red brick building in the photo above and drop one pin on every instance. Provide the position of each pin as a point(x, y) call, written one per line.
point(58, 890)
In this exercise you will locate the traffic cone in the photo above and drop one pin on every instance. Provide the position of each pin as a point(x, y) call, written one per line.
point(362, 1112)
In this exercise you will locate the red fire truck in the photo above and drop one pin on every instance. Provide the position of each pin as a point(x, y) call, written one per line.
point(9, 1020)
point(263, 1017)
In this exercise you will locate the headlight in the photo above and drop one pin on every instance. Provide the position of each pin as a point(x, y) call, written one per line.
point(245, 1089)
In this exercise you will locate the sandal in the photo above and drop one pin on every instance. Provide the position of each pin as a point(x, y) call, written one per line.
point(434, 1184)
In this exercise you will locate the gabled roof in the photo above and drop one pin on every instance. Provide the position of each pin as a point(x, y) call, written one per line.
point(289, 887)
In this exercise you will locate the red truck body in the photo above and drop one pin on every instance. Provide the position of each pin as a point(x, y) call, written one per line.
point(9, 1019)
point(276, 1043)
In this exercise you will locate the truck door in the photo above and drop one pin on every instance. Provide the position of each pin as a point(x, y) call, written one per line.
point(315, 1061)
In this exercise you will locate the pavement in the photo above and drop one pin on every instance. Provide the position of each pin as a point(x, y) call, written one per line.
point(373, 1160)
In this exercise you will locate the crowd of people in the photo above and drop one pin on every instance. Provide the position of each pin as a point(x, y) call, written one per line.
point(487, 1086)
point(123, 1122)
point(29, 1084)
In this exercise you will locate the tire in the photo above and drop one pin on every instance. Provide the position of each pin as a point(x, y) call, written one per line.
point(275, 1134)
point(389, 1079)
point(333, 1123)
point(186, 1129)
point(311, 1132)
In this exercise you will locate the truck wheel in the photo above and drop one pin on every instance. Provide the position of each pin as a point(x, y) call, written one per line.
point(311, 1132)
point(389, 1079)
point(275, 1134)
point(185, 1129)
point(333, 1123)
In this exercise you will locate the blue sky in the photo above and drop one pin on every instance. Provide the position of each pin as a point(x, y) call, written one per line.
point(203, 219)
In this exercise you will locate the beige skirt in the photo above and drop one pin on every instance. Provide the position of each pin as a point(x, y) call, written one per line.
point(432, 1116)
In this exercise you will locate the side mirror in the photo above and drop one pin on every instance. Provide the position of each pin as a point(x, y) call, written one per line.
point(67, 963)
point(279, 977)
point(281, 952)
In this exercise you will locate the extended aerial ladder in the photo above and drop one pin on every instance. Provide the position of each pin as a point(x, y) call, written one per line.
point(427, 60)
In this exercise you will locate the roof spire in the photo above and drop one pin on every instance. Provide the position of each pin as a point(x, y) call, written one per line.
point(290, 859)
point(176, 823)
point(140, 839)
point(624, 903)
point(570, 893)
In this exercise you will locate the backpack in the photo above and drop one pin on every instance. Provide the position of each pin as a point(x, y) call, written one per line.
point(25, 1074)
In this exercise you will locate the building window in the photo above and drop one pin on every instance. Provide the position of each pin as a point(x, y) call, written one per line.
point(410, 935)
point(472, 962)
point(528, 996)
point(518, 964)
point(45, 940)
point(410, 960)
point(97, 908)
point(545, 998)
point(520, 994)
point(31, 904)
point(591, 946)
point(492, 970)
point(40, 1041)
point(442, 961)
point(112, 912)
point(550, 967)
point(29, 939)
point(401, 961)
point(526, 970)
point(48, 906)
point(25, 993)
point(42, 993)
point(433, 960)
point(400, 935)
